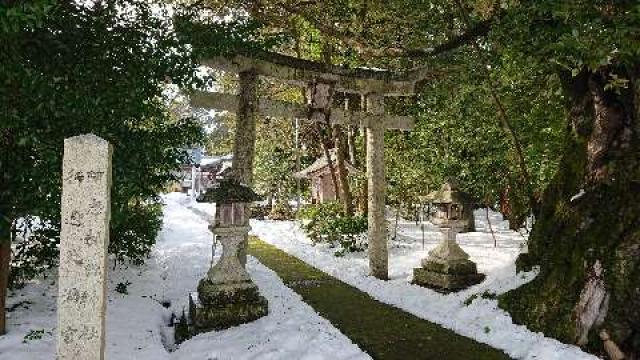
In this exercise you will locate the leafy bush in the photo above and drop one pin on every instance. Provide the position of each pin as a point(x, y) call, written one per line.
point(49, 72)
point(35, 250)
point(123, 287)
point(134, 231)
point(35, 335)
point(328, 223)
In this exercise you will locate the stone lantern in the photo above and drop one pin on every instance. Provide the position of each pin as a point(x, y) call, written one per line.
point(226, 296)
point(448, 268)
point(453, 207)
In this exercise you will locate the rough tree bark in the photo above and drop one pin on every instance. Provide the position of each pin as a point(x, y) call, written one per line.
point(587, 236)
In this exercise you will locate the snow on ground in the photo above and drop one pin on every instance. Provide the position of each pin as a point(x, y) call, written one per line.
point(481, 320)
point(137, 323)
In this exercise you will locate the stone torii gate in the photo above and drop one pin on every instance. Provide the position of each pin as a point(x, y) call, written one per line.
point(374, 85)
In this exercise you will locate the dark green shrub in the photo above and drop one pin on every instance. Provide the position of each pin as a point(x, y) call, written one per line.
point(123, 287)
point(327, 223)
point(134, 231)
point(35, 251)
point(315, 219)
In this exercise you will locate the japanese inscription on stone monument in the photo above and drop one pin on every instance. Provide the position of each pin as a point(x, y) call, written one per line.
point(83, 248)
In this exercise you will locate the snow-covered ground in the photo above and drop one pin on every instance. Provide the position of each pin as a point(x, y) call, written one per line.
point(481, 320)
point(137, 323)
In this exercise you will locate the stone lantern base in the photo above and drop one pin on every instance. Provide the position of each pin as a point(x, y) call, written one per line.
point(447, 269)
point(217, 307)
point(226, 297)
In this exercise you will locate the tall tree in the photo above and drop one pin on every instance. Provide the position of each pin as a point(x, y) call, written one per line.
point(587, 236)
point(102, 68)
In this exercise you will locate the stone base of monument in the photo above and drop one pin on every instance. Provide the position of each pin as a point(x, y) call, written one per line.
point(220, 306)
point(447, 269)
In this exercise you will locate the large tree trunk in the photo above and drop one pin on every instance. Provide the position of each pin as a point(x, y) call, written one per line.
point(587, 236)
point(5, 261)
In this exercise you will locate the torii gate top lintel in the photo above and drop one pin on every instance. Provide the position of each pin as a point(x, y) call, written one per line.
point(302, 72)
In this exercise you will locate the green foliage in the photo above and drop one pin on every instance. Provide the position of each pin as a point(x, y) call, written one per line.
point(219, 140)
point(275, 161)
point(99, 68)
point(215, 37)
point(458, 134)
point(24, 15)
point(571, 35)
point(35, 251)
point(123, 287)
point(318, 217)
point(483, 295)
point(35, 335)
point(327, 223)
point(134, 230)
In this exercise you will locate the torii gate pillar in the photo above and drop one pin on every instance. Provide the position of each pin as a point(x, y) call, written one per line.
point(377, 230)
point(244, 145)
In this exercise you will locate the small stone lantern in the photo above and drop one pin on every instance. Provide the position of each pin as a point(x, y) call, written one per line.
point(448, 268)
point(452, 207)
point(226, 296)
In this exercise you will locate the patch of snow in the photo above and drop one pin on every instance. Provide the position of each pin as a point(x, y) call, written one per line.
point(578, 195)
point(138, 323)
point(481, 319)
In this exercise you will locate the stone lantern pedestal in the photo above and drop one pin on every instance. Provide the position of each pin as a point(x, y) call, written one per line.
point(448, 267)
point(226, 296)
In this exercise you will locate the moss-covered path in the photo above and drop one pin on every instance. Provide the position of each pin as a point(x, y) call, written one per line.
point(383, 331)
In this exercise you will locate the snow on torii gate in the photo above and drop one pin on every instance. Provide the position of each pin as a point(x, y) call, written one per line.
point(373, 84)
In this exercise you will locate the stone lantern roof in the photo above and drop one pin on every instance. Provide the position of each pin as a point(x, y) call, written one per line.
point(449, 193)
point(229, 191)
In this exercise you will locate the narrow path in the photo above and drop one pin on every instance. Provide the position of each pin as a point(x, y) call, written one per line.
point(383, 331)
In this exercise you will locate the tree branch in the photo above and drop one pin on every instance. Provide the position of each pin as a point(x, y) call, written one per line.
point(349, 38)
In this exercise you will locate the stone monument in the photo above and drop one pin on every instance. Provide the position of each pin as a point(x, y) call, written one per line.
point(226, 296)
point(84, 239)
